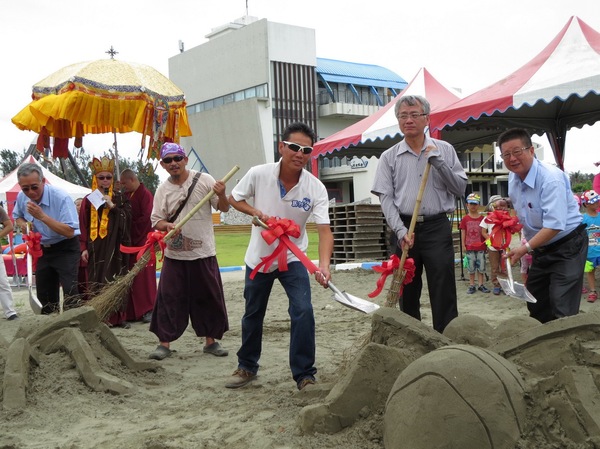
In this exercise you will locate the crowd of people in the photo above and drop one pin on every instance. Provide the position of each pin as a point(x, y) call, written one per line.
point(81, 243)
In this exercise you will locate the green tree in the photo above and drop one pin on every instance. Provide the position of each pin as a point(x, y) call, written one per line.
point(9, 161)
point(580, 182)
point(144, 170)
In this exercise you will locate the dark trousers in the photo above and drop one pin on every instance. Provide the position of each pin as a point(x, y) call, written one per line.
point(296, 284)
point(58, 265)
point(434, 251)
point(189, 291)
point(556, 277)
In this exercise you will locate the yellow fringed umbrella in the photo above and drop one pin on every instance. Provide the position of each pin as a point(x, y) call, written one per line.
point(106, 96)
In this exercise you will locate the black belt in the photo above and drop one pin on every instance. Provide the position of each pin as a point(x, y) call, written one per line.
point(58, 244)
point(554, 245)
point(423, 218)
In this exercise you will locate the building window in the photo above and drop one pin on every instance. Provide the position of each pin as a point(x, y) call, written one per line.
point(256, 91)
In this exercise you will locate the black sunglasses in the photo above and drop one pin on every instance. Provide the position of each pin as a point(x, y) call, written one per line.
point(33, 187)
point(102, 178)
point(168, 160)
point(295, 148)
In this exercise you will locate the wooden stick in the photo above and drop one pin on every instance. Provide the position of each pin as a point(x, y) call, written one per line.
point(400, 273)
point(112, 296)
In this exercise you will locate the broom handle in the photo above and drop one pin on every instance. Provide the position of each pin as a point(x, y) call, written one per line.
point(197, 207)
point(392, 297)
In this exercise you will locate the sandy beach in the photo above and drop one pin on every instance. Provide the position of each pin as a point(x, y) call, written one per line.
point(183, 403)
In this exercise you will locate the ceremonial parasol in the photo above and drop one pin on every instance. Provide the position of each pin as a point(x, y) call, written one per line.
point(104, 96)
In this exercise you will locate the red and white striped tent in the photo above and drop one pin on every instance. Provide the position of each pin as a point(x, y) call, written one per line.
point(379, 131)
point(9, 186)
point(557, 90)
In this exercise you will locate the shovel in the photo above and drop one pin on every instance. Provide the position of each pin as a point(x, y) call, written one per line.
point(340, 296)
point(515, 289)
point(34, 302)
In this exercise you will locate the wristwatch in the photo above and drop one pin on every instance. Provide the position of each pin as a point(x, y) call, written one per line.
point(529, 249)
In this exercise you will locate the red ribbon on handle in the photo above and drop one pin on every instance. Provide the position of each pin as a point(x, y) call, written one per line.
point(154, 237)
point(34, 245)
point(504, 227)
point(282, 228)
point(387, 267)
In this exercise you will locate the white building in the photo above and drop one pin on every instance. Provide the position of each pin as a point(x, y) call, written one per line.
point(253, 77)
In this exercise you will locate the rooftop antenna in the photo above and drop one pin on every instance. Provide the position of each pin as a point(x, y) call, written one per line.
point(181, 46)
point(246, 7)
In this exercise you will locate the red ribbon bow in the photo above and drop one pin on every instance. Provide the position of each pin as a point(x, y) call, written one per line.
point(504, 227)
point(153, 238)
point(387, 268)
point(282, 228)
point(34, 245)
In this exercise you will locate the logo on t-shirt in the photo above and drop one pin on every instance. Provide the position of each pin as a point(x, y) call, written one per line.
point(302, 204)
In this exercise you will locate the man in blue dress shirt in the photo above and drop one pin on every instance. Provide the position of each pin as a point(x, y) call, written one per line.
point(53, 214)
point(542, 197)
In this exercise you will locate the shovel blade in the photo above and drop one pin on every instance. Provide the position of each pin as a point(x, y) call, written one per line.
point(352, 301)
point(355, 303)
point(34, 302)
point(516, 290)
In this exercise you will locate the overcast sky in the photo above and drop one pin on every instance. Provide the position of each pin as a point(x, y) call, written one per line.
point(467, 44)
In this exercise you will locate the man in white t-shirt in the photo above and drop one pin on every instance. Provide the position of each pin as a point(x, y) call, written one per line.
point(283, 190)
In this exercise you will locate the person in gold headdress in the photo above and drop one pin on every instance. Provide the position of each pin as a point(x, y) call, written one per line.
point(103, 229)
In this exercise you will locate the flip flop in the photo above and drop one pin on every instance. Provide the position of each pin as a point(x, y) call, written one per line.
point(216, 350)
point(160, 353)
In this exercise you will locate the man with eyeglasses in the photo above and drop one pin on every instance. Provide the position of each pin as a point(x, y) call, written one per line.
point(190, 287)
point(283, 190)
point(52, 213)
point(552, 225)
point(397, 183)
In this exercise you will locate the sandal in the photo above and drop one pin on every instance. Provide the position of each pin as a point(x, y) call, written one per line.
point(161, 352)
point(593, 296)
point(216, 350)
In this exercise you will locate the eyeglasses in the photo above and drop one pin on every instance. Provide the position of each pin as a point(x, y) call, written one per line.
point(168, 160)
point(102, 178)
point(516, 153)
point(413, 116)
point(295, 148)
point(33, 187)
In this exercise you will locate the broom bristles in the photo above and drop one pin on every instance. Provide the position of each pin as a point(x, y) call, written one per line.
point(394, 292)
point(113, 295)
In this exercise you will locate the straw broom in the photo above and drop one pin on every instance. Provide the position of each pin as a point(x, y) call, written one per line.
point(399, 273)
point(112, 297)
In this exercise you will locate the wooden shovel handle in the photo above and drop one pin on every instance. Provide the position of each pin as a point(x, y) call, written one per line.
point(392, 297)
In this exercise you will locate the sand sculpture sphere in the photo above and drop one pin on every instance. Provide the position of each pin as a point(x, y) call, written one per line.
point(456, 397)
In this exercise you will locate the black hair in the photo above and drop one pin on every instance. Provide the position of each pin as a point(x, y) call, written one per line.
point(299, 127)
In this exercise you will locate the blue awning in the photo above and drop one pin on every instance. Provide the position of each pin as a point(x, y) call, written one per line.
point(344, 72)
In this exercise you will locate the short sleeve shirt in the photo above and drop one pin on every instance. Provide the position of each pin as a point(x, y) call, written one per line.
point(260, 186)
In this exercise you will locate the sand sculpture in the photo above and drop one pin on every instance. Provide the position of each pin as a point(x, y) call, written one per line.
point(520, 385)
point(72, 332)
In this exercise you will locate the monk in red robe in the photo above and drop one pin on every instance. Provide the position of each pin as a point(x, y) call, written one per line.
point(142, 294)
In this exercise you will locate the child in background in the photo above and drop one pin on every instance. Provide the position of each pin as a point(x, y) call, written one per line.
point(473, 244)
point(494, 255)
point(591, 201)
point(526, 261)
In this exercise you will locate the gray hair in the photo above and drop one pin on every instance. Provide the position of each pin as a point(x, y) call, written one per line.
point(412, 100)
point(29, 168)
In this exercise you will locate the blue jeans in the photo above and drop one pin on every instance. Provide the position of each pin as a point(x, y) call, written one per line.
point(296, 283)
